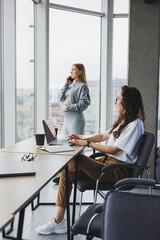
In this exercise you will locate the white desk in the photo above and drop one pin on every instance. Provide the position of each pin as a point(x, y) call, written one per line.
point(16, 192)
point(29, 146)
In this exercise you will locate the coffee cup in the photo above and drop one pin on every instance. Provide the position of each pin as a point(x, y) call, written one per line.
point(39, 139)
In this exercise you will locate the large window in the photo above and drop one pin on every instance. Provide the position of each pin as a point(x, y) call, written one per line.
point(74, 38)
point(94, 5)
point(121, 6)
point(120, 48)
point(24, 69)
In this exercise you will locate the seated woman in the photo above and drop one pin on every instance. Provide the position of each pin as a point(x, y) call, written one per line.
point(122, 138)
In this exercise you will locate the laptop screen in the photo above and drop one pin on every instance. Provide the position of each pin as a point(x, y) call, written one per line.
point(49, 130)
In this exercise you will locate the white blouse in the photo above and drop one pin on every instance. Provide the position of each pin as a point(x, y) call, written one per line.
point(126, 141)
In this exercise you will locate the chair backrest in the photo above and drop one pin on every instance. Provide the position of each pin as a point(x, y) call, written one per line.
point(144, 153)
point(131, 216)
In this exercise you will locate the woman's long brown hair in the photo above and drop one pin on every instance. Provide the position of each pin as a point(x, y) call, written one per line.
point(133, 108)
point(82, 77)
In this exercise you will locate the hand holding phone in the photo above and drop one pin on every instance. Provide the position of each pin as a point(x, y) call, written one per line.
point(70, 79)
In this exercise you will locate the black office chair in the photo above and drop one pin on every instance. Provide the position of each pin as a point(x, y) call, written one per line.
point(143, 149)
point(131, 216)
point(91, 222)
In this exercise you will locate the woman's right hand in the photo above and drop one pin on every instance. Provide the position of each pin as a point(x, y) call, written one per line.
point(68, 81)
point(73, 136)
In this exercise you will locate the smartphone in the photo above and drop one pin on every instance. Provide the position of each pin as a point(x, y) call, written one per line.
point(70, 79)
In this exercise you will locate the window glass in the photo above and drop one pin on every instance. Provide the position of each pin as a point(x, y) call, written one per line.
point(75, 41)
point(120, 57)
point(24, 69)
point(93, 5)
point(121, 6)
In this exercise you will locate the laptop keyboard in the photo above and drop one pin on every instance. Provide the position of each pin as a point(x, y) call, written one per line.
point(61, 142)
point(58, 142)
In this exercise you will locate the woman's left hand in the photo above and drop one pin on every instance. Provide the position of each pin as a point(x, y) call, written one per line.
point(79, 142)
point(64, 108)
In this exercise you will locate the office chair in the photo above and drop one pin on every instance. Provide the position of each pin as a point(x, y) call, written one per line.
point(92, 222)
point(143, 149)
point(131, 216)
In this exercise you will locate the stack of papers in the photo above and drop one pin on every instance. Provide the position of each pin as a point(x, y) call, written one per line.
point(57, 148)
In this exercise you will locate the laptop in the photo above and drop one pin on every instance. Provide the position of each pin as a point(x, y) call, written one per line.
point(15, 169)
point(51, 136)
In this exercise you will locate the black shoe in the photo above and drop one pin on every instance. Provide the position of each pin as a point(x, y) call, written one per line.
point(56, 180)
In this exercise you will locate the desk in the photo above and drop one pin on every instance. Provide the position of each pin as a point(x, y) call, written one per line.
point(47, 165)
point(28, 146)
point(46, 168)
point(5, 219)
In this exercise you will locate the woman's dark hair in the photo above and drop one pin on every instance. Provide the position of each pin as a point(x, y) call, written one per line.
point(133, 108)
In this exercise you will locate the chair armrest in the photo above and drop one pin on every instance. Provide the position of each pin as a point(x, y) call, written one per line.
point(98, 154)
point(99, 208)
point(122, 165)
point(134, 182)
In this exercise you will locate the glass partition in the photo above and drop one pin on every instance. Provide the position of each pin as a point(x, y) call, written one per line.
point(24, 69)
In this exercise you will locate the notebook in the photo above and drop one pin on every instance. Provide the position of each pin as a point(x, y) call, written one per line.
point(56, 149)
point(13, 169)
point(51, 136)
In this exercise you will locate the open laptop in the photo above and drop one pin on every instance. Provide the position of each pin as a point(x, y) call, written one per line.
point(15, 169)
point(51, 136)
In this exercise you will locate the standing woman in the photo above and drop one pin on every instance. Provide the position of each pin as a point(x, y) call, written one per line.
point(75, 97)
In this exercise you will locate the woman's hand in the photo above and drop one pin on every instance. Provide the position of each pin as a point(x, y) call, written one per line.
point(79, 142)
point(73, 136)
point(64, 108)
point(68, 81)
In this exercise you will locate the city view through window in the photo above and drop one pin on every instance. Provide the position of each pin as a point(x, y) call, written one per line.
point(71, 41)
point(24, 69)
point(119, 58)
point(76, 41)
